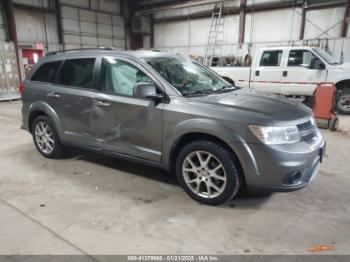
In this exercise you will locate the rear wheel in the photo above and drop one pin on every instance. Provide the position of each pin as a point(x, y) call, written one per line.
point(343, 101)
point(208, 172)
point(45, 138)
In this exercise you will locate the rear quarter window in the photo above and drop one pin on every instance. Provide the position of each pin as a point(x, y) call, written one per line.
point(46, 72)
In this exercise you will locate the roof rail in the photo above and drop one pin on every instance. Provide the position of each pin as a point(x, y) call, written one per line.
point(81, 49)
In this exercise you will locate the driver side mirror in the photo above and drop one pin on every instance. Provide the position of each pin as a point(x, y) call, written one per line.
point(316, 63)
point(147, 90)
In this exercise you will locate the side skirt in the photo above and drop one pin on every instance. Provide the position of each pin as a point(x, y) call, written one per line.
point(118, 155)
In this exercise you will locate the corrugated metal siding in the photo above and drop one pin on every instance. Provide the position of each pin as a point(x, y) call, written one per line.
point(92, 24)
point(319, 21)
point(30, 28)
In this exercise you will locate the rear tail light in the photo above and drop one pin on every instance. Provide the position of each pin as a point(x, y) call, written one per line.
point(21, 89)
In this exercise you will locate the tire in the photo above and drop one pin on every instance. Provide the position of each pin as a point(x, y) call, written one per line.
point(333, 124)
point(45, 138)
point(223, 186)
point(343, 101)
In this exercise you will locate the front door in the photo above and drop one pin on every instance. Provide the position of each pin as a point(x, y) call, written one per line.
point(266, 76)
point(298, 78)
point(125, 124)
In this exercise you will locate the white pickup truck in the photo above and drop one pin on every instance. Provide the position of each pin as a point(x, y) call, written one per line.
point(292, 71)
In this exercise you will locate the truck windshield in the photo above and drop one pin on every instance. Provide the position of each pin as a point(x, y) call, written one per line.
point(188, 77)
point(325, 56)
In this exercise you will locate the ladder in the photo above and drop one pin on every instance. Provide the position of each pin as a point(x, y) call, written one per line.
point(216, 28)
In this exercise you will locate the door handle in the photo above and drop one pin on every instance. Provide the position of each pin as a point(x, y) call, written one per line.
point(257, 72)
point(52, 94)
point(103, 103)
point(285, 73)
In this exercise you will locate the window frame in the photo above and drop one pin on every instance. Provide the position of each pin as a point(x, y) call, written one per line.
point(43, 64)
point(134, 63)
point(274, 50)
point(94, 86)
point(299, 66)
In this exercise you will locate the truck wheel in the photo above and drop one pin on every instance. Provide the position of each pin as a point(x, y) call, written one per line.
point(343, 101)
point(208, 172)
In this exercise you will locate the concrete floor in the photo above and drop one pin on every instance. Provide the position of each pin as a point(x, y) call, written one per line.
point(93, 204)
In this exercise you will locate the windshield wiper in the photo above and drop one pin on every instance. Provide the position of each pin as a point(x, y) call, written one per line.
point(226, 88)
point(198, 92)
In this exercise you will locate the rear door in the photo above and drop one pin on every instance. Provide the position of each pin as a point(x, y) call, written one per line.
point(72, 96)
point(266, 76)
point(298, 78)
point(126, 124)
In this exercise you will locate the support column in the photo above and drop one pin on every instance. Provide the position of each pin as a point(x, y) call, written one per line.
point(151, 36)
point(59, 22)
point(241, 21)
point(345, 24)
point(303, 18)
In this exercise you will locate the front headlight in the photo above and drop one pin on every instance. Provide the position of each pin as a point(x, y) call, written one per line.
point(276, 135)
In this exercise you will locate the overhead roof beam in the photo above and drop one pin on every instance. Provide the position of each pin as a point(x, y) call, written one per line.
point(232, 10)
point(33, 8)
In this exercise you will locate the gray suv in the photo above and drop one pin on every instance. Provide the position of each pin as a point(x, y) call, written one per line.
point(171, 112)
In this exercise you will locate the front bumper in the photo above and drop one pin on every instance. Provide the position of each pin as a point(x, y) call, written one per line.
point(281, 167)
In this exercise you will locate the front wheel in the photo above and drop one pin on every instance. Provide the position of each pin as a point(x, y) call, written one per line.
point(208, 172)
point(343, 101)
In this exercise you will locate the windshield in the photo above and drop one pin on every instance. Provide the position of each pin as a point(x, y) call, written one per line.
point(325, 56)
point(188, 77)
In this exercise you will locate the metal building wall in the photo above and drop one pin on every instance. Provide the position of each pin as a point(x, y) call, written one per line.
point(93, 23)
point(36, 23)
point(31, 29)
point(324, 23)
point(264, 28)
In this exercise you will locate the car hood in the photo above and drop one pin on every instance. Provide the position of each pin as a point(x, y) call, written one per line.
point(260, 105)
point(344, 66)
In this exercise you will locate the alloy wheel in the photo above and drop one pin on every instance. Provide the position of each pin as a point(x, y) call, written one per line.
point(204, 174)
point(44, 137)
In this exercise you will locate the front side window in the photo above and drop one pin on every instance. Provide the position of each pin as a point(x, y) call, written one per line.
point(46, 72)
point(300, 58)
point(120, 77)
point(188, 77)
point(77, 73)
point(271, 58)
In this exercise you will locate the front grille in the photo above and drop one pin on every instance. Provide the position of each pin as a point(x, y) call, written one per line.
point(308, 132)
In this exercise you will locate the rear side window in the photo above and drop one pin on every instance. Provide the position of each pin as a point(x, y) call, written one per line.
point(77, 72)
point(271, 58)
point(46, 72)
